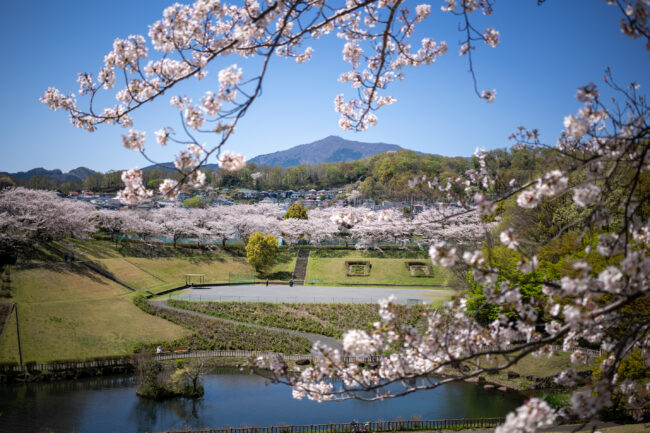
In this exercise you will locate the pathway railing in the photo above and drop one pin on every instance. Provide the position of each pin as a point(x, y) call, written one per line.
point(255, 354)
point(66, 365)
point(373, 426)
point(123, 361)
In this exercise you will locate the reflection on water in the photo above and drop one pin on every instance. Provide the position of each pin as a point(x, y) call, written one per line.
point(109, 404)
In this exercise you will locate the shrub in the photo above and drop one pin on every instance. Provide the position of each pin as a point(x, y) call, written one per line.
point(261, 250)
point(296, 211)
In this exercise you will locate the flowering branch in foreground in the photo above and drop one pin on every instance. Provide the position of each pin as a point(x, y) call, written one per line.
point(188, 39)
point(612, 149)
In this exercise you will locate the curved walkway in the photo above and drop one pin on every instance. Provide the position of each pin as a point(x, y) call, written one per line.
point(331, 342)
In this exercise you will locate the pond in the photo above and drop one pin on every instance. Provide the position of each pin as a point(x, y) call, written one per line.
point(232, 398)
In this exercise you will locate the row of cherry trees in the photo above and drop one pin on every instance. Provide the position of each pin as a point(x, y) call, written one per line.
point(28, 216)
point(31, 215)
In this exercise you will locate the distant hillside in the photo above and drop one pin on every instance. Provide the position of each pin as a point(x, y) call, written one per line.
point(169, 166)
point(329, 149)
point(80, 173)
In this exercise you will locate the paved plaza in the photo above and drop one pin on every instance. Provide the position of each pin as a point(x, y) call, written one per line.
point(284, 293)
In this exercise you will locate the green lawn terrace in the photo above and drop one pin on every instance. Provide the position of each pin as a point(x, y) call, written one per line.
point(342, 267)
point(161, 267)
point(69, 312)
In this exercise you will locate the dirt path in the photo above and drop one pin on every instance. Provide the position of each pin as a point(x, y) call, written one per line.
point(331, 342)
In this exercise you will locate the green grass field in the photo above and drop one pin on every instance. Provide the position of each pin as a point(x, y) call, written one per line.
point(132, 265)
point(542, 366)
point(69, 315)
point(156, 274)
point(69, 312)
point(332, 271)
point(538, 366)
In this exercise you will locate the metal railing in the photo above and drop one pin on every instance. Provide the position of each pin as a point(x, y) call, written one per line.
point(372, 426)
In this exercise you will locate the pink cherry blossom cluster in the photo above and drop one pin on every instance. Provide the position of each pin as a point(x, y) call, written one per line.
point(28, 216)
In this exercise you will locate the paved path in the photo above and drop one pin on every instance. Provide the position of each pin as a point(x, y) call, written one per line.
point(331, 342)
point(276, 293)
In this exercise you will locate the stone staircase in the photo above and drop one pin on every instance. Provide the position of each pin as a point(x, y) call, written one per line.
point(300, 270)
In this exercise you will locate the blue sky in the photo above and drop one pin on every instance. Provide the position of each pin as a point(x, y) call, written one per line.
point(545, 54)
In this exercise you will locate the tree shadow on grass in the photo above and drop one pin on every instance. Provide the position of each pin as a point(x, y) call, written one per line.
point(284, 257)
point(279, 275)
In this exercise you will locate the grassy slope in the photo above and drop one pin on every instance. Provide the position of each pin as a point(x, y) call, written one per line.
point(332, 271)
point(325, 267)
point(69, 315)
point(162, 273)
point(543, 366)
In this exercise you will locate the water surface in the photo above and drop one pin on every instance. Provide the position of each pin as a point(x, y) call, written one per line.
point(109, 404)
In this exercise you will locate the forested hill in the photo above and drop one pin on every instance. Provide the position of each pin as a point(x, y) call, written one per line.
point(79, 173)
point(383, 176)
point(328, 149)
point(386, 176)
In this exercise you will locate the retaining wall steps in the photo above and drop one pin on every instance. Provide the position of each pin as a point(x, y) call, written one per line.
point(300, 269)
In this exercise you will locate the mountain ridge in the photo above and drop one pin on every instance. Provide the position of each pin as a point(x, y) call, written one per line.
point(329, 149)
point(79, 173)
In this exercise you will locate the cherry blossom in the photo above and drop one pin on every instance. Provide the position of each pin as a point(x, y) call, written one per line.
point(232, 161)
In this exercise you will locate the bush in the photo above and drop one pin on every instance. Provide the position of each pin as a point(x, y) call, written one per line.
point(261, 250)
point(296, 211)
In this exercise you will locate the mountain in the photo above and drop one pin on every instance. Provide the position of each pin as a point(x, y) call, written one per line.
point(169, 166)
point(79, 173)
point(328, 149)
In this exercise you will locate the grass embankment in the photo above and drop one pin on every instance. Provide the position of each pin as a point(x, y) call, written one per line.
point(66, 312)
point(160, 268)
point(327, 267)
point(540, 367)
point(325, 319)
point(210, 334)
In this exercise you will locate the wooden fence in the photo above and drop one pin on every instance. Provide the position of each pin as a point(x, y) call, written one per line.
point(375, 426)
